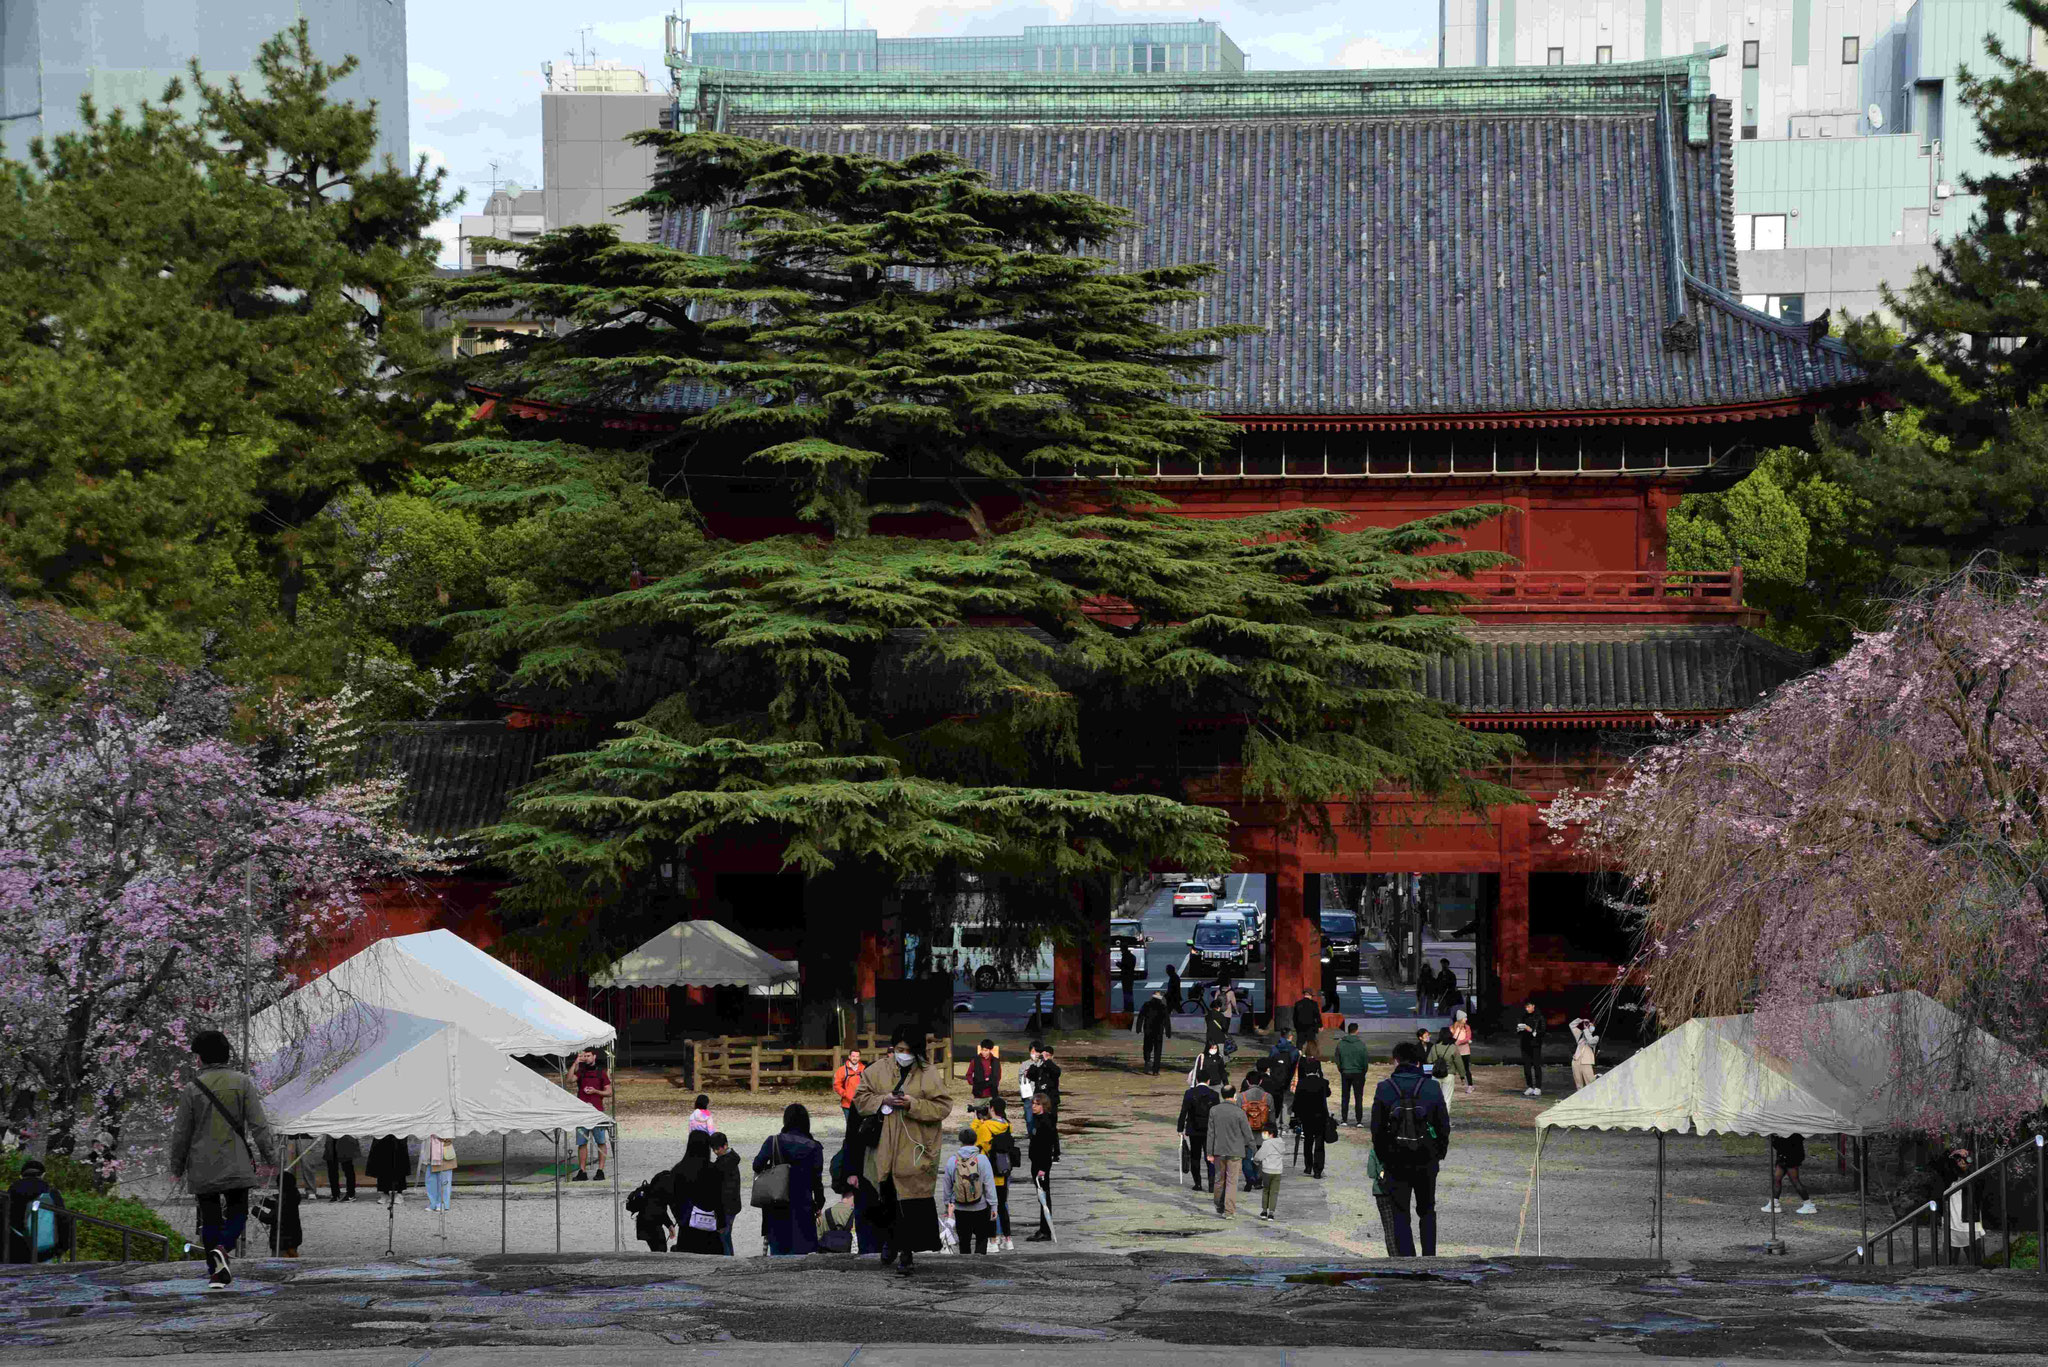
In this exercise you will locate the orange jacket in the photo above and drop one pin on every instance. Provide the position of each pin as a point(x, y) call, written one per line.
point(846, 1082)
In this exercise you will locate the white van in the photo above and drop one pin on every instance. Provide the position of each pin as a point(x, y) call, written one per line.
point(984, 955)
point(1126, 933)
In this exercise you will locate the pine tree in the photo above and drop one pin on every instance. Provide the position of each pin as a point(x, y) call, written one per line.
point(930, 630)
point(1965, 468)
point(210, 349)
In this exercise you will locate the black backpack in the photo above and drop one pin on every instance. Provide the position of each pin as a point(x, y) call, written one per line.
point(1411, 1133)
point(636, 1199)
point(1002, 1153)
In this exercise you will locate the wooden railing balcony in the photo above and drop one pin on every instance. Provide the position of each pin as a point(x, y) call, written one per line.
point(1569, 593)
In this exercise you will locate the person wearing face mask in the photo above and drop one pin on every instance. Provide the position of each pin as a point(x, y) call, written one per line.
point(903, 1105)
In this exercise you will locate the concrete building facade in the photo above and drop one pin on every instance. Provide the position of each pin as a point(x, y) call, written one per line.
point(1853, 146)
point(587, 166)
point(122, 52)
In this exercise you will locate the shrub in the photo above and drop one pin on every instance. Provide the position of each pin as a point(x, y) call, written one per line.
point(82, 1195)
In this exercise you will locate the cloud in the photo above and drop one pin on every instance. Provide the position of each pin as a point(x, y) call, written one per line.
point(521, 121)
point(425, 77)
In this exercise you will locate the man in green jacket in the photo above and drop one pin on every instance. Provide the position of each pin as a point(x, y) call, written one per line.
point(216, 1140)
point(1352, 1061)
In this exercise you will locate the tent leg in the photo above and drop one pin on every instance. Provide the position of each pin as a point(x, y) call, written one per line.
point(1862, 1190)
point(618, 1233)
point(1541, 1137)
point(1660, 1196)
point(558, 1191)
point(504, 1142)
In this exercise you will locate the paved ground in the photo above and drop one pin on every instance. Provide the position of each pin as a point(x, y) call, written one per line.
point(599, 1308)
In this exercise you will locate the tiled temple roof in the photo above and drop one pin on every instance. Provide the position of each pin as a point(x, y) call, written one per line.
point(1415, 247)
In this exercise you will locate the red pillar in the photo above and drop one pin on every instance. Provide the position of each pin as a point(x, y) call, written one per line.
point(1297, 936)
point(1511, 915)
point(867, 966)
point(1067, 967)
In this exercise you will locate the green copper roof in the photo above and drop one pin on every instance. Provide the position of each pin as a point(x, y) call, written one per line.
point(1037, 97)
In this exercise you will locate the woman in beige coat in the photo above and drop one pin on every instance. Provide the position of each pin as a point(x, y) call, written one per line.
point(903, 1165)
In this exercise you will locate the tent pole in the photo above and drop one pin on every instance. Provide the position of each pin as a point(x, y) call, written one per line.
point(1660, 1196)
point(618, 1235)
point(504, 1142)
point(1541, 1137)
point(558, 1191)
point(1862, 1186)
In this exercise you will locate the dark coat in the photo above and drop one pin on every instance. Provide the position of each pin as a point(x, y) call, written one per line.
point(984, 1076)
point(1174, 993)
point(1045, 1144)
point(794, 1228)
point(1154, 1020)
point(1308, 1015)
point(1195, 1106)
point(732, 1199)
point(389, 1164)
point(658, 1208)
point(19, 1196)
point(1280, 1065)
point(1532, 1038)
point(1312, 1099)
point(700, 1192)
point(1217, 1026)
point(1409, 1077)
point(286, 1232)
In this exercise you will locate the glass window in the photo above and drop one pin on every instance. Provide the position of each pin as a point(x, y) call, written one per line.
point(1556, 56)
point(1852, 51)
point(1749, 132)
point(1749, 55)
point(1340, 923)
point(1602, 55)
point(1215, 936)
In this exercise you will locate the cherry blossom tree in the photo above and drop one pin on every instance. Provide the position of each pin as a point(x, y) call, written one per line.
point(156, 878)
point(1875, 826)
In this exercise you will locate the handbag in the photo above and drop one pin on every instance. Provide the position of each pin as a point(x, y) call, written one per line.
point(771, 1185)
point(703, 1219)
point(1329, 1130)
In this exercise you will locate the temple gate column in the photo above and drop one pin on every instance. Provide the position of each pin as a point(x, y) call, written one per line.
point(1293, 919)
point(1511, 909)
point(1067, 971)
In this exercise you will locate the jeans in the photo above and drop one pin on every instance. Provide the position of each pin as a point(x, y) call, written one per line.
point(439, 1185)
point(1351, 1097)
point(725, 1237)
point(1248, 1176)
point(1269, 1200)
point(1030, 1118)
point(1532, 1071)
point(1003, 1209)
point(1155, 1052)
point(1421, 1184)
point(223, 1215)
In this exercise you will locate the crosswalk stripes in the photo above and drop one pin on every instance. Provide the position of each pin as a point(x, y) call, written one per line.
point(1371, 1003)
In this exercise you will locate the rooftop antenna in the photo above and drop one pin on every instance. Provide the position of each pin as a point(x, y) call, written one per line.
point(583, 42)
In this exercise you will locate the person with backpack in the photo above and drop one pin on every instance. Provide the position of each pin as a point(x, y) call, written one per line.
point(1411, 1133)
point(1195, 1106)
point(791, 1226)
point(1154, 1023)
point(220, 1149)
point(1312, 1113)
point(992, 1135)
point(40, 1239)
point(652, 1206)
point(1230, 1144)
point(969, 1182)
point(1257, 1105)
point(1353, 1059)
point(1280, 1065)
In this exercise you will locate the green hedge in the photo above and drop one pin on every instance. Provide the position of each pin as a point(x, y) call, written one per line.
point(81, 1190)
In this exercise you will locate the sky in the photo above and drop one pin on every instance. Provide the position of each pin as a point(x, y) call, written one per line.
point(475, 79)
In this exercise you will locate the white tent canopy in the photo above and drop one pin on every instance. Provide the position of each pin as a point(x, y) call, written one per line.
point(1897, 1062)
point(699, 954)
point(440, 975)
point(372, 1071)
point(1863, 1067)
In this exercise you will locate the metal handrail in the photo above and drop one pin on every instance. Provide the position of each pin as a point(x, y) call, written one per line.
point(127, 1232)
point(2038, 1144)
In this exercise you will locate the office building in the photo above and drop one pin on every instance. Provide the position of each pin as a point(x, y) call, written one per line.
point(1852, 144)
point(122, 52)
point(1102, 49)
point(588, 168)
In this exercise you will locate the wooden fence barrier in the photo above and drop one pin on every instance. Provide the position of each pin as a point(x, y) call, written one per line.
point(731, 1060)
